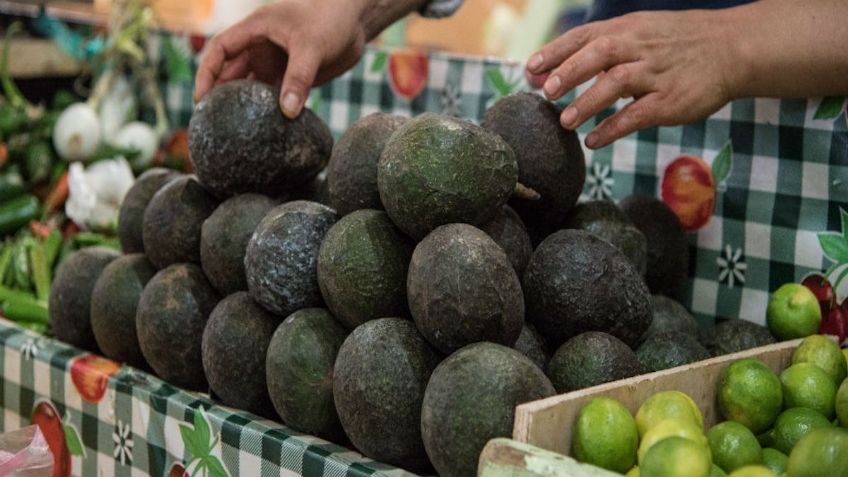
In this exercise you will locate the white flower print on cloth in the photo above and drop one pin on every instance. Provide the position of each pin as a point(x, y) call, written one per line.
point(600, 181)
point(731, 267)
point(451, 100)
point(122, 437)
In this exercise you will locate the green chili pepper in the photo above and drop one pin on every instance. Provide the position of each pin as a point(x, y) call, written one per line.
point(5, 262)
point(20, 266)
point(40, 271)
point(26, 310)
point(52, 247)
point(18, 212)
point(12, 120)
point(38, 161)
point(11, 185)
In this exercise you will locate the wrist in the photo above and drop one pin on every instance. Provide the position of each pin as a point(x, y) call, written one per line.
point(377, 15)
point(736, 50)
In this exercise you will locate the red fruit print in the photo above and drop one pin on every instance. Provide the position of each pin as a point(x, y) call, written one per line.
point(834, 324)
point(822, 289)
point(408, 70)
point(47, 418)
point(177, 470)
point(90, 375)
point(197, 43)
point(689, 189)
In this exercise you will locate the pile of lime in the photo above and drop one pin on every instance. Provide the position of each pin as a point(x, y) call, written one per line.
point(792, 424)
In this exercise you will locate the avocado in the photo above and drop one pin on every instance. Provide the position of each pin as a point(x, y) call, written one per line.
point(362, 267)
point(590, 359)
point(224, 237)
point(606, 220)
point(462, 289)
point(531, 344)
point(471, 398)
point(299, 371)
point(669, 315)
point(173, 220)
point(438, 170)
point(114, 302)
point(282, 257)
point(234, 345)
point(352, 173)
point(668, 248)
point(576, 282)
point(670, 349)
point(239, 141)
point(70, 296)
point(315, 190)
point(550, 159)
point(508, 231)
point(131, 218)
point(379, 379)
point(170, 319)
point(732, 336)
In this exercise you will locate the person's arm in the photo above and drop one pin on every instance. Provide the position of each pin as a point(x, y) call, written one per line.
point(683, 66)
point(298, 42)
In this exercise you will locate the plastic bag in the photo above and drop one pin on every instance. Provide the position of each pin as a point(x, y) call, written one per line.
point(25, 453)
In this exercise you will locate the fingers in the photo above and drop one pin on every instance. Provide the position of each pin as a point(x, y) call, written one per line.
point(642, 113)
point(622, 81)
point(300, 74)
point(226, 46)
point(558, 50)
point(598, 56)
point(235, 69)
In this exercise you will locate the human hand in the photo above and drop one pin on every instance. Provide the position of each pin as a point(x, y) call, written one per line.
point(678, 66)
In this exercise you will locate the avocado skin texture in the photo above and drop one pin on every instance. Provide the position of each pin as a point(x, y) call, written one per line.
point(732, 336)
point(131, 217)
point(234, 346)
point(70, 296)
point(239, 142)
point(508, 231)
point(471, 398)
point(550, 159)
point(381, 372)
point(362, 268)
point(462, 289)
point(668, 248)
point(224, 237)
point(577, 282)
point(172, 313)
point(173, 221)
point(299, 371)
point(669, 315)
point(670, 349)
point(114, 303)
point(606, 220)
point(531, 344)
point(438, 170)
point(281, 262)
point(590, 359)
point(352, 173)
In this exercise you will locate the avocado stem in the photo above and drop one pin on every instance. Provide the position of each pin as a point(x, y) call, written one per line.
point(525, 193)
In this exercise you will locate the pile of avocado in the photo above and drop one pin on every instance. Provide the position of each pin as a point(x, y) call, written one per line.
point(400, 292)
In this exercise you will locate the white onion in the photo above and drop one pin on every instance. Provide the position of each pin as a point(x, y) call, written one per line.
point(117, 108)
point(76, 135)
point(141, 137)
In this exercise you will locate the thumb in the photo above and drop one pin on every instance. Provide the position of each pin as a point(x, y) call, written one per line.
point(300, 74)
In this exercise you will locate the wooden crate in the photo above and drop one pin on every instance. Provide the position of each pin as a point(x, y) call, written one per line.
point(547, 423)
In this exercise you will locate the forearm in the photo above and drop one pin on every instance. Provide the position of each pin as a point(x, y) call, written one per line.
point(379, 14)
point(789, 48)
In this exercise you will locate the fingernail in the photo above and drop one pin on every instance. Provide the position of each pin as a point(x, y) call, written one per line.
point(535, 61)
point(569, 116)
point(291, 105)
point(592, 140)
point(552, 85)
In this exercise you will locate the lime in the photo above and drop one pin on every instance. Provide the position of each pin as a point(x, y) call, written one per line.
point(806, 385)
point(775, 460)
point(824, 353)
point(842, 403)
point(845, 353)
point(606, 435)
point(749, 393)
point(821, 453)
point(676, 457)
point(716, 471)
point(753, 471)
point(667, 405)
point(634, 472)
point(793, 312)
point(733, 446)
point(793, 424)
point(671, 428)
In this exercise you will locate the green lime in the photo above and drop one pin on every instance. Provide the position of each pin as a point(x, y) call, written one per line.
point(753, 471)
point(806, 385)
point(824, 353)
point(606, 435)
point(667, 405)
point(775, 460)
point(842, 403)
point(733, 446)
point(845, 353)
point(676, 457)
point(821, 453)
point(671, 428)
point(634, 472)
point(793, 312)
point(793, 424)
point(715, 471)
point(749, 393)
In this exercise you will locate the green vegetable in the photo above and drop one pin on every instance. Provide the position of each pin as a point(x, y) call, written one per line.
point(52, 247)
point(18, 212)
point(5, 262)
point(40, 271)
point(26, 310)
point(12, 120)
point(38, 161)
point(20, 266)
point(10, 89)
point(62, 99)
point(90, 239)
point(11, 185)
